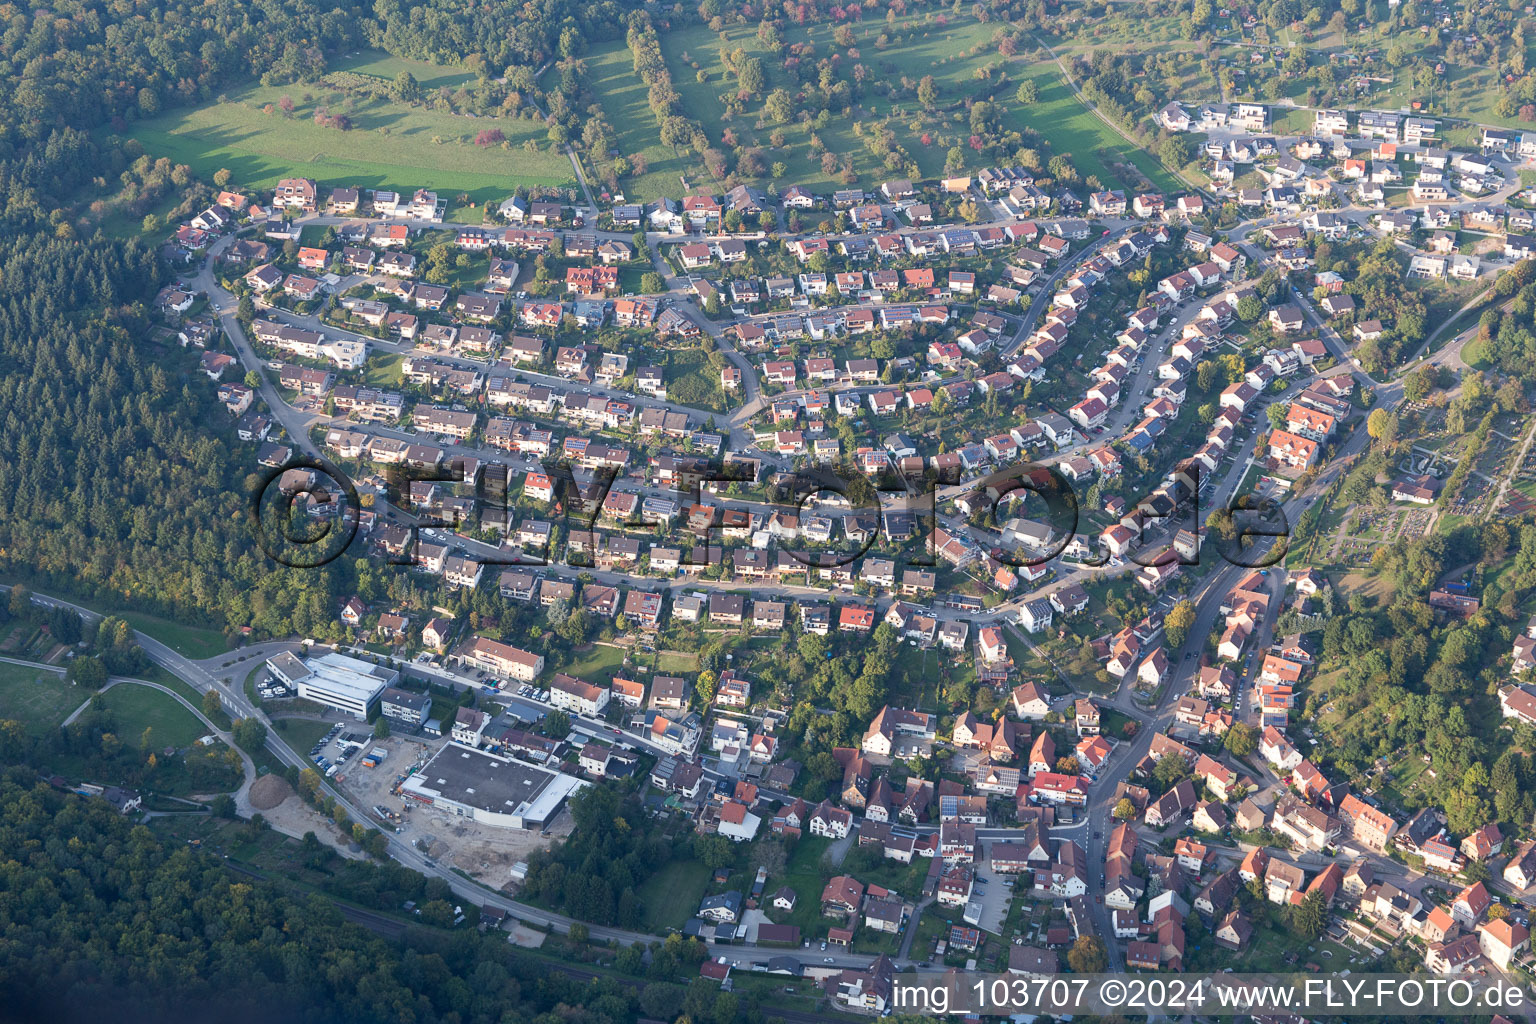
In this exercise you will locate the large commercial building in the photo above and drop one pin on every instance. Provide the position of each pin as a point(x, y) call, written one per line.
point(490, 789)
point(347, 684)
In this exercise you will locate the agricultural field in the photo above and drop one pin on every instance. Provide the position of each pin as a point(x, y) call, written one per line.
point(391, 145)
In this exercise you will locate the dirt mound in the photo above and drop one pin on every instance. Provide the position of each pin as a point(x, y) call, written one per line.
point(269, 791)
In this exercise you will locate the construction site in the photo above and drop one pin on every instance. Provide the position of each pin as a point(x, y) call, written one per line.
point(487, 853)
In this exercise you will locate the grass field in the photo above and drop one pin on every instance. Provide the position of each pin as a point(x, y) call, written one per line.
point(141, 707)
point(611, 71)
point(300, 733)
point(672, 895)
point(384, 371)
point(803, 873)
point(1475, 354)
point(189, 641)
point(676, 663)
point(430, 77)
point(598, 664)
point(39, 700)
point(1073, 129)
point(391, 145)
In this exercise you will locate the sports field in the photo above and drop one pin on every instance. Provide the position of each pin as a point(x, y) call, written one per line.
point(391, 145)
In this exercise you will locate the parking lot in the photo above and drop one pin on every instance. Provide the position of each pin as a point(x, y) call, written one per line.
point(992, 891)
point(522, 700)
point(346, 741)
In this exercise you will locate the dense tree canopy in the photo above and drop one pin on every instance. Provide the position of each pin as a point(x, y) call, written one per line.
point(105, 920)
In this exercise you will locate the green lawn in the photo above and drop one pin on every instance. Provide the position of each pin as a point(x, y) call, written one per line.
point(932, 926)
point(141, 707)
point(384, 370)
point(189, 641)
point(871, 868)
point(1297, 121)
point(675, 663)
point(804, 874)
point(672, 894)
point(870, 942)
point(598, 664)
point(611, 71)
point(249, 686)
point(429, 77)
point(39, 700)
point(390, 145)
point(300, 733)
point(1112, 723)
point(1475, 353)
point(1271, 946)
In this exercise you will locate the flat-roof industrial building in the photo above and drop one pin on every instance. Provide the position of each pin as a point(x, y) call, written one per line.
point(347, 684)
point(490, 789)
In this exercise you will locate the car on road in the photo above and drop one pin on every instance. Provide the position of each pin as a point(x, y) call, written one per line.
point(827, 960)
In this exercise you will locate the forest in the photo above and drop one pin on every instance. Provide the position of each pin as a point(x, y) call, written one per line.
point(104, 919)
point(111, 482)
